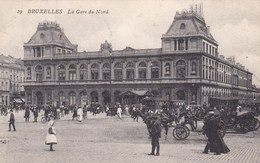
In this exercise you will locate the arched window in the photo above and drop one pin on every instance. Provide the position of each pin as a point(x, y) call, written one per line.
point(83, 72)
point(142, 70)
point(61, 72)
point(182, 26)
point(48, 72)
point(38, 70)
point(193, 68)
point(83, 98)
point(180, 69)
point(72, 72)
point(167, 69)
point(106, 71)
point(61, 98)
point(72, 98)
point(193, 97)
point(29, 73)
point(94, 71)
point(154, 70)
point(118, 71)
point(130, 70)
point(94, 97)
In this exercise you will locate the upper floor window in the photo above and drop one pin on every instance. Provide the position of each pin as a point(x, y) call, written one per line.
point(193, 68)
point(61, 72)
point(83, 72)
point(180, 69)
point(154, 70)
point(94, 71)
point(106, 71)
point(130, 71)
point(167, 68)
point(39, 73)
point(142, 70)
point(182, 26)
point(118, 71)
point(29, 73)
point(48, 73)
point(72, 72)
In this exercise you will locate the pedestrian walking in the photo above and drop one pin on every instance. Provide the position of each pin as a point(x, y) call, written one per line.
point(51, 134)
point(74, 114)
point(11, 120)
point(215, 142)
point(119, 112)
point(35, 114)
point(27, 115)
point(155, 134)
point(80, 114)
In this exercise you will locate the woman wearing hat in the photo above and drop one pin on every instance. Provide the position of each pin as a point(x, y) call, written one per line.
point(51, 134)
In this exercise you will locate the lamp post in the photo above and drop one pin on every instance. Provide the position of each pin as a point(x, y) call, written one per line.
point(110, 79)
point(59, 84)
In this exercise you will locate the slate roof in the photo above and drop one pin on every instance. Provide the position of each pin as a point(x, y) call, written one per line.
point(50, 33)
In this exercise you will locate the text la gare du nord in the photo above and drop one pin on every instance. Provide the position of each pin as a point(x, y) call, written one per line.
point(69, 11)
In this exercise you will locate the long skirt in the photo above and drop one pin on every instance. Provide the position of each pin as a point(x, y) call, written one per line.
point(51, 139)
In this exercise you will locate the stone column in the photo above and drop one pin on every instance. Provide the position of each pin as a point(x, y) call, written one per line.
point(177, 44)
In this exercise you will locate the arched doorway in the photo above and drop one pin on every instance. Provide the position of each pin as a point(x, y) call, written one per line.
point(94, 97)
point(180, 95)
point(106, 97)
point(117, 97)
point(39, 98)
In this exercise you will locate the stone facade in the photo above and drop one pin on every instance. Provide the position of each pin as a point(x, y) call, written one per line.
point(188, 67)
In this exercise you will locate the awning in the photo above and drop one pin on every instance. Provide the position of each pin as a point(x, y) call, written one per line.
point(18, 101)
point(225, 98)
point(137, 93)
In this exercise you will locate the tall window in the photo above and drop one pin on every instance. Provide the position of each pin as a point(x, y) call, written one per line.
point(48, 73)
point(83, 72)
point(142, 70)
point(118, 73)
point(181, 44)
point(38, 70)
point(72, 72)
point(29, 98)
point(106, 71)
point(72, 98)
point(29, 73)
point(130, 70)
point(94, 97)
point(193, 68)
point(61, 72)
point(167, 69)
point(181, 69)
point(154, 70)
point(94, 71)
point(61, 97)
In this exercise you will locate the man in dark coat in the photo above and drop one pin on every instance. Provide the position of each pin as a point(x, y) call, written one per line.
point(35, 114)
point(215, 141)
point(11, 121)
point(155, 134)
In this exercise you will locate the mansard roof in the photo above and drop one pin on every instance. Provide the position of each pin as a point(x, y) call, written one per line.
point(50, 33)
point(188, 23)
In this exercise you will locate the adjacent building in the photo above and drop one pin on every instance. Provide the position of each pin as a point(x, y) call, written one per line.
point(11, 80)
point(187, 67)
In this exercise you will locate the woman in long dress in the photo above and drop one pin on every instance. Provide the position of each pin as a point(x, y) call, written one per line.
point(51, 134)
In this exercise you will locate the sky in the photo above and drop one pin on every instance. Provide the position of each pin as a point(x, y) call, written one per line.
point(234, 24)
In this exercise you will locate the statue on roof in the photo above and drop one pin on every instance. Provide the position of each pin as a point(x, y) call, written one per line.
point(106, 47)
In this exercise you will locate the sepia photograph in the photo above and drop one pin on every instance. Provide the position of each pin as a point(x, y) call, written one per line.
point(128, 81)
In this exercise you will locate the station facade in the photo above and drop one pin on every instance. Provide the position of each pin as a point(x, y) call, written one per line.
point(187, 67)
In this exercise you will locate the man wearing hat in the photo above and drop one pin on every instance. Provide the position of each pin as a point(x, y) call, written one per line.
point(11, 120)
point(155, 133)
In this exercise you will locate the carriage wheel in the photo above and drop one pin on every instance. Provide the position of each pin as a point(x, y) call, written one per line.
point(43, 120)
point(180, 132)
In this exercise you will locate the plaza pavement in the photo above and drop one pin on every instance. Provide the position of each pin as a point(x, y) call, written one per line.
point(111, 140)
